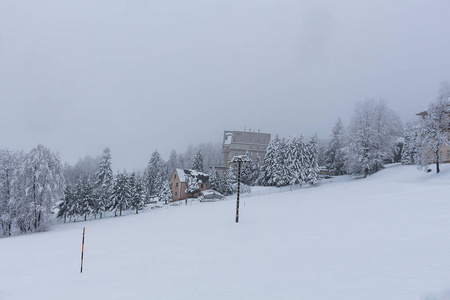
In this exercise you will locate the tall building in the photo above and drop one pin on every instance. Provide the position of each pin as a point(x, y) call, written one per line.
point(239, 142)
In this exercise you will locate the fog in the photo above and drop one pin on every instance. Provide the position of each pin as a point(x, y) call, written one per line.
point(143, 75)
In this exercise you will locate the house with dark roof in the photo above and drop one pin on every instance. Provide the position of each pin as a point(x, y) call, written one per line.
point(179, 182)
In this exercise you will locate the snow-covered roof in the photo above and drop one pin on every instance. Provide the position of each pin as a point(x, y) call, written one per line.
point(227, 138)
point(199, 176)
point(181, 175)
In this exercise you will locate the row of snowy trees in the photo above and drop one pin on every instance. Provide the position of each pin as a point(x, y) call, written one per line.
point(287, 161)
point(104, 192)
point(211, 155)
point(30, 186)
point(290, 161)
point(425, 138)
point(369, 142)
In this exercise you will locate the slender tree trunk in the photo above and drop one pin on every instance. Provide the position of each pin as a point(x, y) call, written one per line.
point(85, 217)
point(120, 211)
point(101, 215)
point(437, 161)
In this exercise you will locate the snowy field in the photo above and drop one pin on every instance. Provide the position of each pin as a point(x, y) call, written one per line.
point(384, 237)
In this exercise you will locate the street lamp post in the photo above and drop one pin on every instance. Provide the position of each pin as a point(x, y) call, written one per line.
point(239, 159)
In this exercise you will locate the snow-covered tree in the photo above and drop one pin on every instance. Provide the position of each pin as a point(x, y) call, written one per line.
point(155, 174)
point(372, 135)
point(197, 164)
point(67, 206)
point(434, 130)
point(312, 166)
point(137, 193)
point(43, 182)
point(335, 155)
point(229, 181)
point(271, 168)
point(214, 180)
point(104, 180)
point(165, 194)
point(409, 150)
point(84, 194)
point(9, 163)
point(121, 195)
point(192, 186)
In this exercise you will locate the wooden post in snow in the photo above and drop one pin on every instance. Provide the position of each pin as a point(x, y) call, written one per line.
point(82, 251)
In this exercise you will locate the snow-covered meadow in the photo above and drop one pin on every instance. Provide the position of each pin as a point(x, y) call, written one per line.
point(383, 237)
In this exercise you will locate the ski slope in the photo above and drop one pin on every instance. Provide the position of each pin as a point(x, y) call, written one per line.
point(383, 237)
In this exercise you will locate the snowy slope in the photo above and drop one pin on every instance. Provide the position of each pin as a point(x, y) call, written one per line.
point(384, 237)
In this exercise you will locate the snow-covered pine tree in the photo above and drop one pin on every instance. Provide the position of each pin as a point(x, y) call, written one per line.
point(43, 182)
point(335, 155)
point(255, 167)
point(166, 194)
point(197, 164)
point(155, 174)
point(65, 206)
point(84, 193)
point(246, 171)
point(192, 186)
point(312, 170)
point(409, 150)
point(270, 164)
point(137, 193)
point(121, 194)
point(292, 163)
point(104, 182)
point(214, 180)
point(230, 180)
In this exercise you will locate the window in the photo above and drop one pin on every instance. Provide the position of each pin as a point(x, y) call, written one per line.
point(175, 176)
point(176, 193)
point(176, 184)
point(448, 153)
point(201, 185)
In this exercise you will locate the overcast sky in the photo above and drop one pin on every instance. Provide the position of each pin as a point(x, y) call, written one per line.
point(77, 76)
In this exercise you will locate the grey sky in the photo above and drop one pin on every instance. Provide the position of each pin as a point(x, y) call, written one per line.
point(137, 76)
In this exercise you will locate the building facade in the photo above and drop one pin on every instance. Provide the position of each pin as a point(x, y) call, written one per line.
point(179, 183)
point(239, 142)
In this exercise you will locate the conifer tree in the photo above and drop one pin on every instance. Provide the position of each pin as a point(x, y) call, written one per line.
point(312, 169)
point(192, 186)
point(137, 194)
point(229, 181)
point(85, 197)
point(166, 194)
point(198, 161)
point(65, 207)
point(270, 165)
point(155, 174)
point(104, 182)
point(335, 155)
point(409, 149)
point(120, 197)
point(214, 180)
